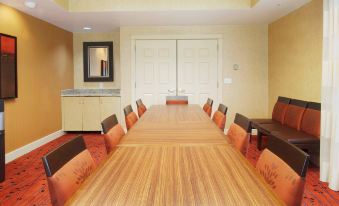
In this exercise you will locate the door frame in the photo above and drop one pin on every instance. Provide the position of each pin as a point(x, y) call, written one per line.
point(218, 37)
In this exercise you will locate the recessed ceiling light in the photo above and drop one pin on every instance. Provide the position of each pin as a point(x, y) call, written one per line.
point(278, 4)
point(30, 4)
point(87, 28)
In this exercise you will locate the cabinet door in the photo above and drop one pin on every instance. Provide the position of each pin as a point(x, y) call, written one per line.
point(72, 113)
point(91, 114)
point(109, 106)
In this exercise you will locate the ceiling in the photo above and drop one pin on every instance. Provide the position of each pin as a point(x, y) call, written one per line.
point(263, 12)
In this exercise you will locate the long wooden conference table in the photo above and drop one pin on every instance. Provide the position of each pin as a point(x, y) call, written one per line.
point(175, 155)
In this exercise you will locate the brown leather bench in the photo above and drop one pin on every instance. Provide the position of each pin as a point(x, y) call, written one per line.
point(300, 126)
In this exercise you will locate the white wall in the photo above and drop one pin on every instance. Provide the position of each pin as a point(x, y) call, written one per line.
point(243, 45)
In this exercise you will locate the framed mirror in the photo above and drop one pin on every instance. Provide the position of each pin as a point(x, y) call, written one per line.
point(98, 61)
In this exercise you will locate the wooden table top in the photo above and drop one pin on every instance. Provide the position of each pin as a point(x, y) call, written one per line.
point(161, 172)
point(173, 125)
point(175, 175)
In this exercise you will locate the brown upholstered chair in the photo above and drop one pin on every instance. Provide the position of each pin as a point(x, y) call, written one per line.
point(208, 107)
point(219, 116)
point(284, 167)
point(113, 132)
point(141, 107)
point(66, 168)
point(278, 113)
point(308, 138)
point(176, 100)
point(238, 133)
point(130, 117)
point(292, 120)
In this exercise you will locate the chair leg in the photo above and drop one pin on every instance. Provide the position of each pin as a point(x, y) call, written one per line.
point(259, 140)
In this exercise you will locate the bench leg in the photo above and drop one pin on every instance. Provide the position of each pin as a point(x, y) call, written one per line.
point(259, 140)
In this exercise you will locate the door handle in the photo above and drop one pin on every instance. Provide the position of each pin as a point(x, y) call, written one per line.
point(182, 90)
point(171, 90)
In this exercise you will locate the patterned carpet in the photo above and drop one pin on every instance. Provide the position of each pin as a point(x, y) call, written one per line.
point(26, 181)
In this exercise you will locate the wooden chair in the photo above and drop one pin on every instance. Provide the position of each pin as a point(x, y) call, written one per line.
point(239, 133)
point(208, 107)
point(141, 107)
point(113, 132)
point(219, 116)
point(130, 117)
point(284, 167)
point(176, 100)
point(66, 168)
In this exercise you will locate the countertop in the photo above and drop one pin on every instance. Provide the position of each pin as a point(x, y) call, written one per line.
point(90, 93)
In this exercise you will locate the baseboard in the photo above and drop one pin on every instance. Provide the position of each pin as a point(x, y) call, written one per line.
point(33, 145)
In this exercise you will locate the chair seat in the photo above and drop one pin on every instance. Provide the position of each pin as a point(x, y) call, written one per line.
point(268, 128)
point(296, 137)
point(256, 122)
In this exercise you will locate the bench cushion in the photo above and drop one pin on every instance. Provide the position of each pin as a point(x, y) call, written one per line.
point(268, 128)
point(279, 111)
point(294, 113)
point(310, 123)
point(296, 137)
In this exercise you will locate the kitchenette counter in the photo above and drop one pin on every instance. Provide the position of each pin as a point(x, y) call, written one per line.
point(90, 93)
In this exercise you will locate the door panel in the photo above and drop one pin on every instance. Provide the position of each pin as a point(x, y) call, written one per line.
point(155, 70)
point(198, 70)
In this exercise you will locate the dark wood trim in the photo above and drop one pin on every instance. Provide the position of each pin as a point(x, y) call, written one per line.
point(110, 78)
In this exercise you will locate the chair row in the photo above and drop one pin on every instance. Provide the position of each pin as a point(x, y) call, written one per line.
point(279, 160)
point(295, 121)
point(70, 164)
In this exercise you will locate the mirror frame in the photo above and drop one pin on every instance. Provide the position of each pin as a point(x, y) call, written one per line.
point(87, 78)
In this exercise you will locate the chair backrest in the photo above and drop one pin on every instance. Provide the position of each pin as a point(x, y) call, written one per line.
point(311, 120)
point(208, 107)
point(243, 122)
point(219, 117)
point(280, 108)
point(222, 108)
point(127, 110)
point(176, 100)
point(109, 123)
point(294, 113)
point(66, 168)
point(113, 132)
point(139, 102)
point(54, 160)
point(130, 117)
point(297, 159)
point(209, 102)
point(238, 133)
point(284, 167)
point(141, 107)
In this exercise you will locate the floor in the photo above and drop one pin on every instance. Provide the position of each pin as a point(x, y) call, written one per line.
point(26, 181)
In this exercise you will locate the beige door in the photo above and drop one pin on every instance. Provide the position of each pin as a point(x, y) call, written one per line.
point(155, 70)
point(198, 70)
point(91, 114)
point(109, 106)
point(72, 113)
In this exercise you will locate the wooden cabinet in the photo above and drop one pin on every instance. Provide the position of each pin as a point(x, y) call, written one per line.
point(86, 113)
point(72, 113)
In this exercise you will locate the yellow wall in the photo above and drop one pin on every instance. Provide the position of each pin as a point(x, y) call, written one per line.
point(45, 66)
point(243, 45)
point(295, 54)
point(78, 39)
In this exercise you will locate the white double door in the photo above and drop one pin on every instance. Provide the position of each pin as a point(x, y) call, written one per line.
point(176, 67)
